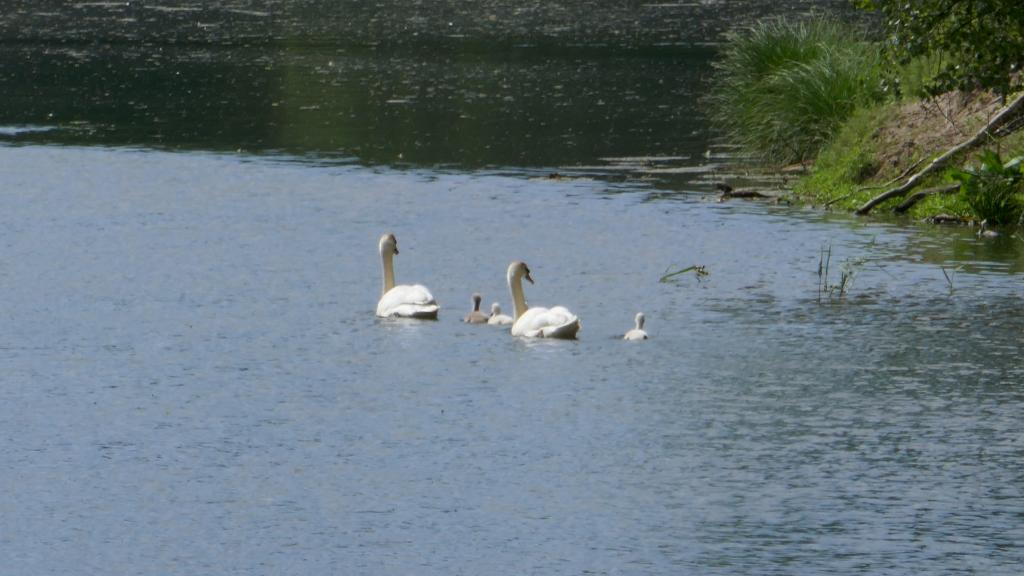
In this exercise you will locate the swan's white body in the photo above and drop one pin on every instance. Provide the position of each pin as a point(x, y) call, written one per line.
point(497, 318)
point(638, 332)
point(476, 316)
point(557, 322)
point(404, 300)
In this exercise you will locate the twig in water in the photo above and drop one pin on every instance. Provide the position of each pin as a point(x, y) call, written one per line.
point(696, 269)
point(949, 277)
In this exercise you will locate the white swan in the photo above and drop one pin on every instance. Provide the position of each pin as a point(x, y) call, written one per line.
point(638, 332)
point(497, 318)
point(476, 316)
point(405, 301)
point(555, 322)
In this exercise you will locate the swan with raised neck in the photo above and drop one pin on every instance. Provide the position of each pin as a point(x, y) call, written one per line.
point(637, 333)
point(402, 300)
point(476, 316)
point(557, 322)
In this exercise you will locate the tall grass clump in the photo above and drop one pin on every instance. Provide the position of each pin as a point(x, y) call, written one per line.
point(782, 88)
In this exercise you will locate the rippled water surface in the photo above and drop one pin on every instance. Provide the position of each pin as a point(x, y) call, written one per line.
point(194, 381)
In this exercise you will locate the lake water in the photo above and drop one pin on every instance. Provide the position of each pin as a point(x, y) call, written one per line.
point(193, 380)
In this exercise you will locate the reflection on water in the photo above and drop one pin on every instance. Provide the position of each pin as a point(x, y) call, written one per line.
point(430, 24)
point(604, 87)
point(194, 381)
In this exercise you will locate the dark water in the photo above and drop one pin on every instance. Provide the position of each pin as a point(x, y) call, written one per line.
point(437, 24)
point(524, 108)
point(192, 380)
point(429, 83)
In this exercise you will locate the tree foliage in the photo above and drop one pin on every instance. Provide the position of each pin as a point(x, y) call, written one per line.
point(980, 43)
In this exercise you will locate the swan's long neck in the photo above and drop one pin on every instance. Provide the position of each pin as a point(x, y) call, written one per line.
point(515, 285)
point(639, 322)
point(389, 270)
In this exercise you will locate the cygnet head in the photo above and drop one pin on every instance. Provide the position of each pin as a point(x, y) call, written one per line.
point(639, 320)
point(495, 309)
point(519, 269)
point(388, 244)
point(476, 301)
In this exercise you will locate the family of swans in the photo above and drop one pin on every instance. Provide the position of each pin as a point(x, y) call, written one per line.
point(415, 301)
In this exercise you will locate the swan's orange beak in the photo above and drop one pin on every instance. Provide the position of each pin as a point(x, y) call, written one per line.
point(528, 278)
point(396, 248)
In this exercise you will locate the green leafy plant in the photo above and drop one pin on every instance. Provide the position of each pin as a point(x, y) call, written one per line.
point(980, 42)
point(994, 190)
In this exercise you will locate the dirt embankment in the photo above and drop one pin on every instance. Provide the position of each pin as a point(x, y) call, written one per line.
point(918, 131)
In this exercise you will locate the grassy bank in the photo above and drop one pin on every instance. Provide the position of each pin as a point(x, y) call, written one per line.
point(880, 146)
point(811, 92)
point(783, 88)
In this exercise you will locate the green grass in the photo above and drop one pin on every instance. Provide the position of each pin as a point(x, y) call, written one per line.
point(795, 91)
point(846, 163)
point(783, 88)
point(845, 174)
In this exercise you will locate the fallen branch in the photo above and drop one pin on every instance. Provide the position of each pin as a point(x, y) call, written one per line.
point(918, 196)
point(840, 198)
point(697, 270)
point(906, 172)
point(941, 161)
point(860, 189)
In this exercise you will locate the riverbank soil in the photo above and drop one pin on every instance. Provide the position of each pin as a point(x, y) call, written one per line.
point(882, 147)
point(921, 129)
